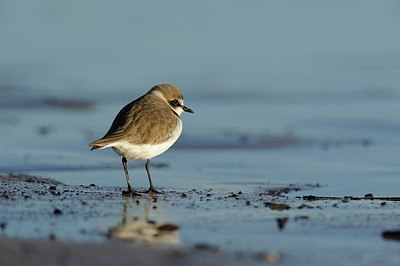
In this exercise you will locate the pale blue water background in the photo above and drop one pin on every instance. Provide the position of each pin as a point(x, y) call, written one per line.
point(325, 72)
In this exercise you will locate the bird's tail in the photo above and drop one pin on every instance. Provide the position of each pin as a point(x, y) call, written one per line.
point(98, 144)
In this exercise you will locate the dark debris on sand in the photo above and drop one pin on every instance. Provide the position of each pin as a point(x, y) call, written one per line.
point(28, 178)
point(391, 235)
point(46, 204)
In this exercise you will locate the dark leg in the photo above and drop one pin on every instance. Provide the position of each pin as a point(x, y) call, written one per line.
point(128, 182)
point(151, 189)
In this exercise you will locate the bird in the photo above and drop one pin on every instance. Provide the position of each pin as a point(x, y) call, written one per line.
point(145, 128)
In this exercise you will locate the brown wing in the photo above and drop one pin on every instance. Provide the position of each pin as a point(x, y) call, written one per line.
point(147, 120)
point(153, 124)
point(119, 125)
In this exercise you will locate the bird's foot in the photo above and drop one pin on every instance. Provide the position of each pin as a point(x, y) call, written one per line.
point(131, 193)
point(152, 190)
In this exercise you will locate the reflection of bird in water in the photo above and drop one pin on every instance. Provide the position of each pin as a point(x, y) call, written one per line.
point(143, 230)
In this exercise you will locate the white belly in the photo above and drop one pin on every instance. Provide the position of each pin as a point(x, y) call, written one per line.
point(145, 151)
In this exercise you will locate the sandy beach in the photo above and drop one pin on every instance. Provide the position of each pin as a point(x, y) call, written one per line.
point(291, 157)
point(46, 222)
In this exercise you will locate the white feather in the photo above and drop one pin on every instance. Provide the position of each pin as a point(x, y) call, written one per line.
point(145, 151)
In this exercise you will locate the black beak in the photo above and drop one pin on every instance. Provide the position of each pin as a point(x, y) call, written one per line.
point(187, 109)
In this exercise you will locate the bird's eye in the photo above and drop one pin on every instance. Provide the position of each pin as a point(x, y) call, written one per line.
point(174, 103)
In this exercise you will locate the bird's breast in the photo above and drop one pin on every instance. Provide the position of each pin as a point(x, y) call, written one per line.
point(146, 151)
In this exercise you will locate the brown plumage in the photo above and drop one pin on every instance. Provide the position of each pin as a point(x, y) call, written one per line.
point(147, 120)
point(146, 127)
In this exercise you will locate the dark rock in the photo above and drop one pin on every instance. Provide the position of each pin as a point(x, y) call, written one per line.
point(57, 212)
point(277, 206)
point(391, 235)
point(282, 222)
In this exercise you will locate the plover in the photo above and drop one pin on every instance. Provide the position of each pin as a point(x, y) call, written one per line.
point(145, 128)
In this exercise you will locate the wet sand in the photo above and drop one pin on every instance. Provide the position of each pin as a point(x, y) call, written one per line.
point(43, 203)
point(40, 252)
point(46, 222)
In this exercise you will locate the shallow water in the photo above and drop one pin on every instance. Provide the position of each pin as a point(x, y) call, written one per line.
point(346, 158)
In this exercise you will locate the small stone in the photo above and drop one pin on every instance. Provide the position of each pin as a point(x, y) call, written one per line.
point(282, 222)
point(52, 237)
point(277, 206)
point(310, 198)
point(346, 199)
point(305, 206)
point(57, 212)
point(3, 226)
point(391, 235)
point(301, 217)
